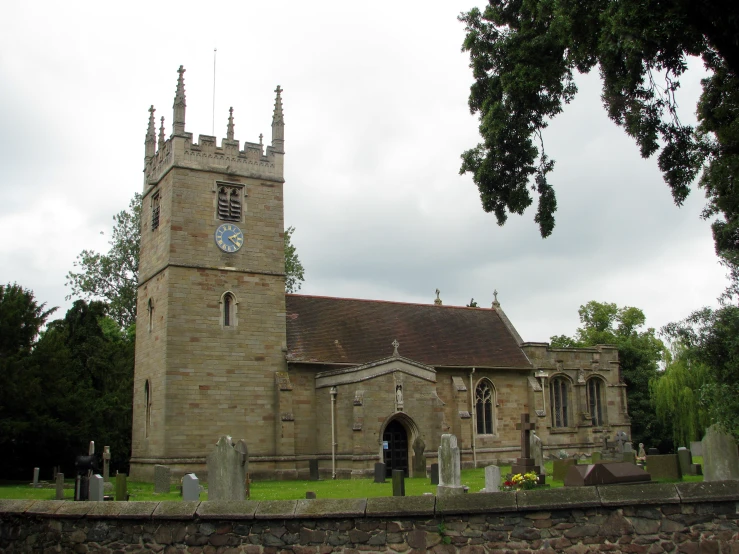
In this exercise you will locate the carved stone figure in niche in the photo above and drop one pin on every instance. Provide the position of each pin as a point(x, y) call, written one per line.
point(399, 394)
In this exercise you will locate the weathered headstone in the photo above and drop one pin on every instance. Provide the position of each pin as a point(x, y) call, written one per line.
point(629, 447)
point(606, 473)
point(380, 472)
point(537, 450)
point(310, 495)
point(121, 487)
point(96, 488)
point(60, 486)
point(434, 474)
point(621, 438)
point(696, 448)
point(492, 479)
point(629, 456)
point(398, 482)
point(449, 467)
point(190, 487)
point(106, 463)
point(227, 465)
point(36, 472)
point(525, 463)
point(561, 467)
point(664, 466)
point(720, 458)
point(685, 459)
point(419, 458)
point(313, 469)
point(162, 479)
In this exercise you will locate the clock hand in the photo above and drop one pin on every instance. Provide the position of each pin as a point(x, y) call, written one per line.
point(231, 238)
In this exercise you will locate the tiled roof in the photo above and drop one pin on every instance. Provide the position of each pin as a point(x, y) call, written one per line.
point(345, 330)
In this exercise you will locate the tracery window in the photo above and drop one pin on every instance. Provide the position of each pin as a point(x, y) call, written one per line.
point(595, 401)
point(559, 401)
point(229, 203)
point(484, 406)
point(147, 402)
point(155, 212)
point(229, 306)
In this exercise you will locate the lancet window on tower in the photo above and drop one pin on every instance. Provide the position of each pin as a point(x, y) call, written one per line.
point(229, 203)
point(155, 212)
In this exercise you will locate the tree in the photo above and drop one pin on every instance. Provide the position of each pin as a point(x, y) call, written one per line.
point(21, 319)
point(524, 54)
point(113, 277)
point(640, 352)
point(293, 268)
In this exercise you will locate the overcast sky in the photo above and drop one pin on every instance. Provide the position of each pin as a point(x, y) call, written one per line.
point(376, 117)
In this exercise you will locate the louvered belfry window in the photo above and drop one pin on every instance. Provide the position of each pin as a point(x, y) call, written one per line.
point(229, 203)
point(155, 212)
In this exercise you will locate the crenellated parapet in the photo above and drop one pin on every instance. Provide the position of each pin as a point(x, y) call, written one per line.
point(251, 159)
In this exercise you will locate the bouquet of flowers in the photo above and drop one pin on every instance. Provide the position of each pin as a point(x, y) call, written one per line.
point(525, 481)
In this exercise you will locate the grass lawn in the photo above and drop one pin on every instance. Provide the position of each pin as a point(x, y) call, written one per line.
point(290, 490)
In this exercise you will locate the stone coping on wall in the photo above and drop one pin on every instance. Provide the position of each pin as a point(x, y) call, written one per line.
point(406, 506)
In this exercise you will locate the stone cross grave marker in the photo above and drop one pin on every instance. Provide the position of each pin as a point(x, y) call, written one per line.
point(227, 468)
point(96, 488)
point(525, 463)
point(190, 487)
point(492, 479)
point(449, 467)
point(106, 463)
point(162, 479)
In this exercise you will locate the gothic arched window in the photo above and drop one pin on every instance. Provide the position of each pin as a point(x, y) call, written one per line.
point(229, 306)
point(484, 407)
point(559, 401)
point(150, 309)
point(595, 401)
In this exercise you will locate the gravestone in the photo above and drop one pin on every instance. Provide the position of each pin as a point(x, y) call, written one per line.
point(313, 469)
point(720, 458)
point(310, 495)
point(35, 477)
point(629, 447)
point(121, 487)
point(449, 467)
point(606, 473)
point(685, 459)
point(190, 487)
point(537, 450)
point(492, 479)
point(652, 451)
point(621, 438)
point(525, 463)
point(398, 482)
point(60, 486)
point(561, 467)
point(434, 474)
point(227, 467)
point(629, 456)
point(696, 448)
point(419, 458)
point(380, 472)
point(96, 488)
point(162, 479)
point(106, 463)
point(664, 466)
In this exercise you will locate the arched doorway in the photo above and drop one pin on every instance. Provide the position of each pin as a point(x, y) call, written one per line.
point(395, 448)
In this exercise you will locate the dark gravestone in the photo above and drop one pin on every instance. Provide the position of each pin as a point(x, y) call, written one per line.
point(652, 452)
point(380, 470)
point(121, 488)
point(685, 459)
point(419, 459)
point(310, 495)
point(525, 463)
point(434, 474)
point(608, 473)
point(696, 469)
point(664, 466)
point(398, 482)
point(313, 469)
point(561, 467)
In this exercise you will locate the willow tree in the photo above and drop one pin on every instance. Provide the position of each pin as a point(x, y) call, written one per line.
point(682, 398)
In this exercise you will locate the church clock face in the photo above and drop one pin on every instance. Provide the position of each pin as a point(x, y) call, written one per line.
point(229, 237)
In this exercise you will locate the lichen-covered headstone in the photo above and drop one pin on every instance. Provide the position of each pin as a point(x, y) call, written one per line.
point(537, 450)
point(96, 488)
point(227, 468)
point(60, 486)
point(449, 467)
point(492, 479)
point(190, 487)
point(685, 459)
point(720, 458)
point(162, 479)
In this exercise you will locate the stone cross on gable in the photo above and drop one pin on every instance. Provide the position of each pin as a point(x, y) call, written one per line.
point(526, 426)
point(395, 347)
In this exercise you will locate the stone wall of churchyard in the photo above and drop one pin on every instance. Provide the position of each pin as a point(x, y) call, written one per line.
point(649, 518)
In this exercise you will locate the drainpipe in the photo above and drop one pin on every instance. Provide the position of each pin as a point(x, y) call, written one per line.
point(473, 419)
point(333, 433)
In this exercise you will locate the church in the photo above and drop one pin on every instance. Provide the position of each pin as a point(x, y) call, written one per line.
point(221, 349)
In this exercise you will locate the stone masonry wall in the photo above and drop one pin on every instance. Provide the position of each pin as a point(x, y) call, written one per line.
point(649, 518)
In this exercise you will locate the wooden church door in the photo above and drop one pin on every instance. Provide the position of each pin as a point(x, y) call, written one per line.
point(395, 448)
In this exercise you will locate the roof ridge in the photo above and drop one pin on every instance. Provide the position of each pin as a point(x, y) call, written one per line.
point(369, 300)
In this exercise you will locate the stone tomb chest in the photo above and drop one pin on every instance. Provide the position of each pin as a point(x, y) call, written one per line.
point(605, 474)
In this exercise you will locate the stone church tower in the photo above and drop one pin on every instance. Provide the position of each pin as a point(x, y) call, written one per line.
point(211, 298)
